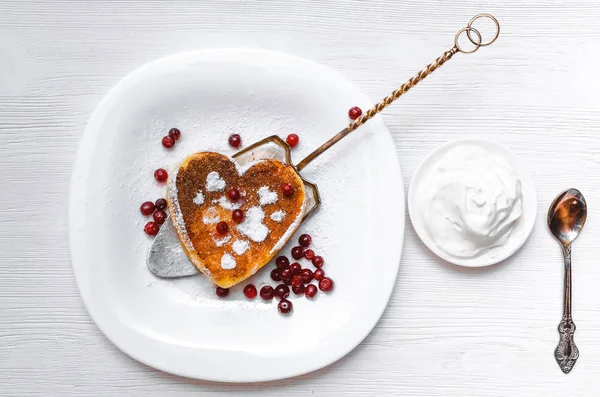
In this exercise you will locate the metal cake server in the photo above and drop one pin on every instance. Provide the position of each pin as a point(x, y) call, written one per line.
point(566, 217)
point(167, 259)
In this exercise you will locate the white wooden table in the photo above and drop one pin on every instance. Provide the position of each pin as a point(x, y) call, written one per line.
point(447, 331)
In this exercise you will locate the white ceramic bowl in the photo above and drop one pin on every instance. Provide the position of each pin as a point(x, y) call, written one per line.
point(529, 205)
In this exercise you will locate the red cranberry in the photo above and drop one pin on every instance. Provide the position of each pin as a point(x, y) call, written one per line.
point(310, 291)
point(295, 268)
point(319, 274)
point(222, 227)
point(307, 276)
point(161, 203)
point(168, 142)
point(174, 133)
point(267, 292)
point(222, 292)
point(318, 261)
point(147, 208)
point(286, 274)
point(151, 228)
point(326, 284)
point(309, 254)
point(285, 306)
point(296, 281)
point(287, 189)
point(233, 194)
point(275, 275)
point(250, 291)
point(282, 291)
point(288, 282)
point(160, 217)
point(161, 175)
point(297, 252)
point(305, 240)
point(282, 262)
point(354, 112)
point(298, 290)
point(237, 216)
point(235, 140)
point(292, 140)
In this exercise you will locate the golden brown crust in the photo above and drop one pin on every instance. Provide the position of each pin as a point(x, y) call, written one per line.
point(206, 254)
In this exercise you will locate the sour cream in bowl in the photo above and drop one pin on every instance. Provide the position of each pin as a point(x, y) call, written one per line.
point(472, 202)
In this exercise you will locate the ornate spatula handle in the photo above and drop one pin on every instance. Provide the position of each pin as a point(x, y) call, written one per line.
point(476, 40)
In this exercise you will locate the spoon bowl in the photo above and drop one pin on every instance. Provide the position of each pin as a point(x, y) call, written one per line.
point(567, 215)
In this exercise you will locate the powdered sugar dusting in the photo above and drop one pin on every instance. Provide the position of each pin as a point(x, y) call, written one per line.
point(228, 205)
point(242, 168)
point(199, 199)
point(222, 242)
point(252, 227)
point(266, 196)
point(214, 182)
point(240, 246)
point(290, 230)
point(211, 216)
point(227, 262)
point(278, 215)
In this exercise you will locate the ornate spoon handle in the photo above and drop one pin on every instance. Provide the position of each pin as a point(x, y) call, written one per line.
point(566, 352)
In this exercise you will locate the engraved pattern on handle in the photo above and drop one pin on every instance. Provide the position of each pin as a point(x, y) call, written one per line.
point(566, 352)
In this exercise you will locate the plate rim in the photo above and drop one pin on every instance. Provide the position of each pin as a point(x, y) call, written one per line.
point(77, 188)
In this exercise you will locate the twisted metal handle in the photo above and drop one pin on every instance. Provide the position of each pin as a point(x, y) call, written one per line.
point(403, 89)
point(369, 114)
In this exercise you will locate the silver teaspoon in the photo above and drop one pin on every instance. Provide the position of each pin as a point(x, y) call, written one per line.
point(566, 217)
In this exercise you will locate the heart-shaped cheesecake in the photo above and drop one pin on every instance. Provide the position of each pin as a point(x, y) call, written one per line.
point(198, 200)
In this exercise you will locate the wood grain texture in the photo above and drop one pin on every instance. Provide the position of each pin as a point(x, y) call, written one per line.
point(447, 331)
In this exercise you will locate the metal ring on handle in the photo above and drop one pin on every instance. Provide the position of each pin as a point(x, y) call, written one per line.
point(468, 30)
point(470, 27)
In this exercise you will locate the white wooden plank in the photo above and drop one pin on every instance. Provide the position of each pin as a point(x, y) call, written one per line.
point(447, 331)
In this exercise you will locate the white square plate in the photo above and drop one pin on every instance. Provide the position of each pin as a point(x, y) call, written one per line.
point(180, 326)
